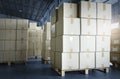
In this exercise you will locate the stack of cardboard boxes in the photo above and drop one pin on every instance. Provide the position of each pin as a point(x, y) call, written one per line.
point(38, 42)
point(115, 47)
point(35, 40)
point(22, 40)
point(67, 38)
point(54, 18)
point(31, 40)
point(87, 14)
point(103, 35)
point(46, 42)
point(13, 38)
point(82, 36)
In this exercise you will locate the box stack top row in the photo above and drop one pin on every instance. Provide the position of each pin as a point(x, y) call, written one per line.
point(89, 18)
point(12, 24)
point(86, 9)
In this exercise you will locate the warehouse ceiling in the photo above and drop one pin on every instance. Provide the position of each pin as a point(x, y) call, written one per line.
point(29, 9)
point(36, 10)
point(107, 1)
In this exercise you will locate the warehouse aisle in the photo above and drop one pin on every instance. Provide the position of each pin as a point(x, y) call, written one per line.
point(35, 70)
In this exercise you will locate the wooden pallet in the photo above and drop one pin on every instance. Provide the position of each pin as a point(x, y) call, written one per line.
point(8, 63)
point(62, 72)
point(105, 70)
point(14, 62)
point(45, 61)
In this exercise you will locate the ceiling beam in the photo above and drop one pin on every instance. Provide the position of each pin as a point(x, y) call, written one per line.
point(45, 9)
point(105, 1)
point(39, 10)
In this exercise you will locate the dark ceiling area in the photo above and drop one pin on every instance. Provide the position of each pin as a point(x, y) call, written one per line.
point(29, 9)
point(36, 10)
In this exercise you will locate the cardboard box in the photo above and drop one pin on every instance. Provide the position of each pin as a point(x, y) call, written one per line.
point(102, 59)
point(87, 43)
point(53, 44)
point(30, 53)
point(10, 45)
point(115, 56)
point(21, 56)
point(21, 45)
point(38, 52)
point(115, 37)
point(47, 44)
point(9, 56)
point(37, 48)
point(1, 45)
point(87, 9)
point(32, 33)
point(22, 24)
point(102, 43)
point(87, 60)
point(46, 50)
point(46, 55)
point(52, 57)
point(67, 43)
point(30, 45)
point(88, 26)
point(67, 61)
point(68, 26)
point(67, 10)
point(2, 24)
point(104, 11)
point(33, 25)
point(10, 24)
point(53, 30)
point(22, 35)
point(115, 41)
point(10, 34)
point(1, 56)
point(2, 34)
point(47, 31)
point(115, 31)
point(115, 48)
point(103, 27)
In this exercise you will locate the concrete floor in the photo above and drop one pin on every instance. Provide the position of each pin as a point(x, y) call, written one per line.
point(36, 70)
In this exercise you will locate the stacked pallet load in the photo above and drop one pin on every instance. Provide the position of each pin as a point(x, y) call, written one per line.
point(95, 32)
point(46, 43)
point(87, 14)
point(9, 42)
point(53, 37)
point(13, 40)
point(115, 47)
point(34, 41)
point(22, 40)
point(38, 42)
point(81, 43)
point(31, 40)
point(102, 55)
point(2, 40)
point(67, 39)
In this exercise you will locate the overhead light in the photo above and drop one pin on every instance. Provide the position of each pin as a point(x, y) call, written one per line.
point(20, 10)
